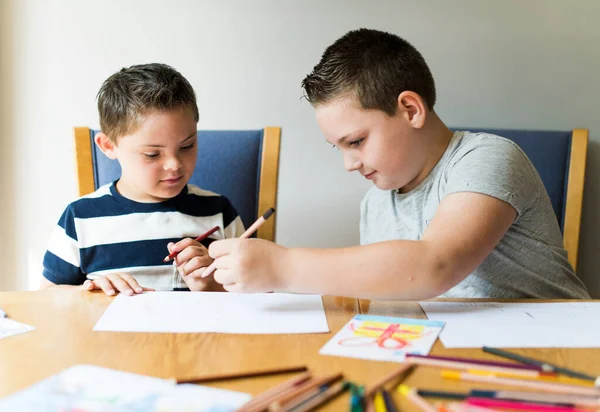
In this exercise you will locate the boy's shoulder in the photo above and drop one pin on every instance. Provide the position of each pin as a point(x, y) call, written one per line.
point(91, 201)
point(464, 142)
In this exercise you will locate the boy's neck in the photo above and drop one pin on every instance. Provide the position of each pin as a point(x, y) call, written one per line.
point(437, 136)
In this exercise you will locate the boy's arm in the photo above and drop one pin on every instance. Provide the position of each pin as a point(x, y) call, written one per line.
point(465, 229)
point(463, 232)
point(45, 284)
point(62, 261)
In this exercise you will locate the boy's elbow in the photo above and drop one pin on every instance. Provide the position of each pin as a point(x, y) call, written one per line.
point(443, 276)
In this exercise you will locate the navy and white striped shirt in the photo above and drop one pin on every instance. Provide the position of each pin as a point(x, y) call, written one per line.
point(104, 233)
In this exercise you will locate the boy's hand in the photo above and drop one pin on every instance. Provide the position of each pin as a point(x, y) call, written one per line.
point(248, 265)
point(122, 282)
point(191, 261)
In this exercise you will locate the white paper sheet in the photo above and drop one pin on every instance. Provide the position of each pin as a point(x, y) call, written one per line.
point(263, 313)
point(9, 327)
point(95, 389)
point(517, 325)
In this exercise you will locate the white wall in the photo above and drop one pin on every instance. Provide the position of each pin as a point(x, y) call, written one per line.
point(502, 63)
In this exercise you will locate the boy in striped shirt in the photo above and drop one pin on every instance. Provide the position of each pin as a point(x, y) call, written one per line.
point(115, 239)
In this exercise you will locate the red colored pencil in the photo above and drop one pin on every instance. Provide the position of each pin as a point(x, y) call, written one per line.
point(198, 239)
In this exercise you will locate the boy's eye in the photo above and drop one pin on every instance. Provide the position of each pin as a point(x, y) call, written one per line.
point(188, 147)
point(356, 143)
point(151, 155)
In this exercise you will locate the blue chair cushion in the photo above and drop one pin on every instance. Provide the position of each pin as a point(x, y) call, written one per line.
point(228, 164)
point(549, 151)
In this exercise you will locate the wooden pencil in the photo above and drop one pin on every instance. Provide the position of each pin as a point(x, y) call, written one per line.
point(467, 366)
point(261, 401)
point(404, 368)
point(411, 395)
point(477, 362)
point(544, 365)
point(241, 375)
point(543, 386)
point(323, 397)
point(287, 396)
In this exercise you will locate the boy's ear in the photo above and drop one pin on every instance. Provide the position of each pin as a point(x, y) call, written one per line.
point(104, 143)
point(412, 107)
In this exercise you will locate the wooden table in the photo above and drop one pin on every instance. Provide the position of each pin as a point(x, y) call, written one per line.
point(64, 337)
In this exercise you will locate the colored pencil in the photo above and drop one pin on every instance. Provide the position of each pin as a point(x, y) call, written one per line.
point(544, 365)
point(426, 393)
point(389, 402)
point(565, 399)
point(545, 378)
point(262, 400)
point(477, 361)
point(411, 395)
point(466, 366)
point(241, 375)
point(506, 404)
point(324, 397)
point(404, 368)
point(543, 386)
point(379, 402)
point(198, 239)
point(284, 399)
point(259, 222)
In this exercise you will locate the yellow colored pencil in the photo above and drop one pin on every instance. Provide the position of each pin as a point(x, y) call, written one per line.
point(544, 378)
point(379, 403)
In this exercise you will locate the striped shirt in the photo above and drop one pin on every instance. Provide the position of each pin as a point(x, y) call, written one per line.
point(104, 233)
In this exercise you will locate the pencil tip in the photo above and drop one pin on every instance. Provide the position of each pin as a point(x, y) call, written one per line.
point(166, 259)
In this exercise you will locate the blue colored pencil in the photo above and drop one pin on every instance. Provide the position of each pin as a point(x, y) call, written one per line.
point(389, 402)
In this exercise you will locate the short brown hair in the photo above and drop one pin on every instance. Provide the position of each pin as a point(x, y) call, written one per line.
point(130, 93)
point(375, 67)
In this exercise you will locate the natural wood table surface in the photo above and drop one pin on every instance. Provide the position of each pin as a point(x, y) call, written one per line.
point(64, 319)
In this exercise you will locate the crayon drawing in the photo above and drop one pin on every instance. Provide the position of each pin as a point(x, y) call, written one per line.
point(383, 338)
point(87, 388)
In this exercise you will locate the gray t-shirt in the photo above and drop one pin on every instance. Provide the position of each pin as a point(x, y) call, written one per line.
point(529, 261)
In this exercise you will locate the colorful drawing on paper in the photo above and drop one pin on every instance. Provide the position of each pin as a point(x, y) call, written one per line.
point(383, 338)
point(86, 388)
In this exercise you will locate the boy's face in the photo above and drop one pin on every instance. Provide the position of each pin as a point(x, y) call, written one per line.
point(158, 159)
point(383, 149)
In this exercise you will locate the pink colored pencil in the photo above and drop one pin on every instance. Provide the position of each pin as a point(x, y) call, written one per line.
point(259, 222)
point(535, 407)
point(477, 362)
point(469, 366)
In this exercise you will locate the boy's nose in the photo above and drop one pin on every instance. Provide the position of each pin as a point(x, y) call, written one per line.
point(351, 163)
point(172, 163)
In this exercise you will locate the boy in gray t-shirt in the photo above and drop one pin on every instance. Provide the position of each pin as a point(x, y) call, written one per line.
point(452, 214)
point(529, 260)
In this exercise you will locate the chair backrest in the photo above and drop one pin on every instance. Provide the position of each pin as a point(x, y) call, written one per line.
point(242, 165)
point(559, 157)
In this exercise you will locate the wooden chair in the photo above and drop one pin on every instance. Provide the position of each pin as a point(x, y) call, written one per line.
point(240, 164)
point(560, 158)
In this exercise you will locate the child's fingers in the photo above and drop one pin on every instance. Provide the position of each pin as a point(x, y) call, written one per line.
point(88, 285)
point(119, 283)
point(189, 253)
point(132, 282)
point(195, 263)
point(224, 276)
point(182, 244)
point(221, 248)
point(104, 284)
point(148, 289)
